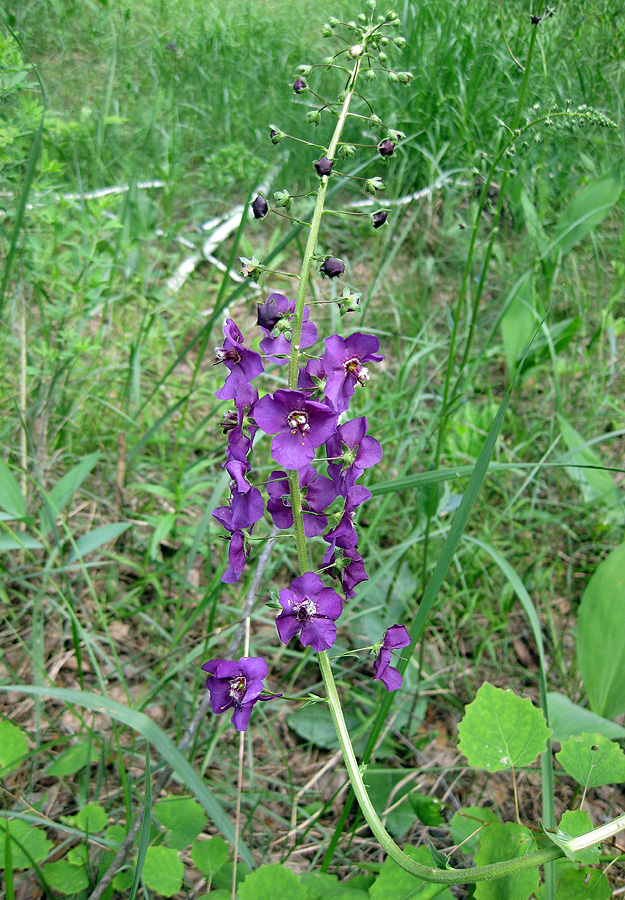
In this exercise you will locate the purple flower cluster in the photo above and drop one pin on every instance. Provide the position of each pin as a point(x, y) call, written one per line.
point(308, 435)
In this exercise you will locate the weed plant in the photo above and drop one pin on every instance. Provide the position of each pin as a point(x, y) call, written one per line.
point(493, 530)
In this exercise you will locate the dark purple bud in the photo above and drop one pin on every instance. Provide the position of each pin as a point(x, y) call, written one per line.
point(386, 148)
point(324, 165)
point(299, 85)
point(332, 267)
point(379, 218)
point(535, 20)
point(268, 315)
point(260, 207)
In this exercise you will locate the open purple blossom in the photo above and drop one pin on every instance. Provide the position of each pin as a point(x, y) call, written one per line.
point(323, 166)
point(244, 364)
point(310, 610)
point(352, 451)
point(344, 534)
point(239, 423)
point(396, 637)
point(318, 493)
point(300, 425)
point(312, 379)
point(275, 318)
point(236, 685)
point(238, 550)
point(344, 361)
point(347, 566)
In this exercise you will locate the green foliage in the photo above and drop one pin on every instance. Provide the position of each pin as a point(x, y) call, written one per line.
point(209, 856)
point(65, 877)
point(72, 760)
point(469, 824)
point(506, 841)
point(183, 817)
point(601, 636)
point(592, 760)
point(28, 845)
point(574, 823)
point(427, 809)
point(273, 882)
point(13, 746)
point(163, 871)
point(500, 730)
point(393, 883)
point(583, 884)
point(569, 719)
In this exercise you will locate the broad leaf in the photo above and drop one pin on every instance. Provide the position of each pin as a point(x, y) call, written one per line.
point(11, 499)
point(503, 842)
point(97, 538)
point(66, 878)
point(500, 730)
point(273, 882)
point(593, 480)
point(469, 824)
point(583, 884)
point(568, 719)
point(601, 636)
point(32, 839)
point(13, 746)
point(209, 856)
point(163, 870)
point(184, 818)
point(427, 809)
point(592, 760)
point(574, 823)
point(72, 760)
point(92, 818)
point(394, 883)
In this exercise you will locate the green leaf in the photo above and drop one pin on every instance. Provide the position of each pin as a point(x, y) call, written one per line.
point(72, 760)
point(66, 878)
point(500, 730)
point(13, 746)
point(469, 824)
point(592, 760)
point(394, 883)
point(519, 321)
point(583, 884)
point(33, 840)
point(92, 818)
point(595, 483)
point(19, 542)
point(568, 719)
point(273, 882)
point(96, 539)
point(380, 784)
point(157, 737)
point(209, 856)
point(314, 723)
point(502, 842)
point(11, 499)
point(585, 211)
point(322, 886)
point(72, 480)
point(184, 818)
point(574, 823)
point(163, 870)
point(601, 636)
point(427, 809)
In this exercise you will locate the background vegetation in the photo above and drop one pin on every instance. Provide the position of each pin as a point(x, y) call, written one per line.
point(111, 562)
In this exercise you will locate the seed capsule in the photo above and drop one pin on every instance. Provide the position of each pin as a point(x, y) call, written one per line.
point(260, 207)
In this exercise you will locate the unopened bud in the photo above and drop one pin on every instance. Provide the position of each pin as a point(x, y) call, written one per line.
point(342, 96)
point(259, 207)
point(323, 166)
point(327, 61)
point(372, 185)
point(383, 41)
point(379, 218)
point(362, 18)
point(332, 267)
point(333, 22)
point(400, 42)
point(405, 77)
point(267, 316)
point(392, 78)
point(386, 148)
point(376, 121)
point(283, 200)
point(275, 134)
point(304, 71)
point(299, 85)
point(391, 14)
point(381, 20)
point(313, 117)
point(371, 4)
point(346, 150)
point(382, 57)
point(326, 31)
point(356, 51)
point(370, 75)
point(351, 24)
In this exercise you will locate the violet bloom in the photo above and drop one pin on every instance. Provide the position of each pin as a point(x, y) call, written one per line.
point(343, 364)
point(351, 451)
point(238, 550)
point(300, 425)
point(386, 148)
point(344, 534)
point(275, 318)
point(236, 685)
point(318, 493)
point(260, 208)
point(347, 566)
point(396, 636)
point(244, 364)
point(311, 610)
point(239, 423)
point(323, 166)
point(332, 267)
point(312, 379)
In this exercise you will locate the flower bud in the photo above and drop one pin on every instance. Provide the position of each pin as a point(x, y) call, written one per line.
point(342, 96)
point(381, 20)
point(383, 41)
point(392, 78)
point(405, 77)
point(383, 58)
point(323, 166)
point(313, 117)
point(351, 24)
point(346, 150)
point(332, 267)
point(362, 18)
point(259, 207)
point(371, 4)
point(391, 14)
point(299, 85)
point(327, 61)
point(370, 75)
point(275, 134)
point(356, 51)
point(376, 121)
point(304, 71)
point(326, 31)
point(379, 218)
point(283, 200)
point(395, 135)
point(333, 22)
point(267, 315)
point(372, 185)
point(348, 302)
point(400, 42)
point(386, 148)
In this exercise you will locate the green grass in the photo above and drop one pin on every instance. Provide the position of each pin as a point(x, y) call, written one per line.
point(116, 366)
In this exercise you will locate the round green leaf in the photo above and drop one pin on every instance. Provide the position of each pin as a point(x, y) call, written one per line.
point(209, 856)
point(92, 818)
point(500, 730)
point(184, 818)
point(592, 760)
point(469, 824)
point(13, 746)
point(502, 842)
point(427, 809)
point(66, 878)
point(273, 882)
point(394, 883)
point(163, 870)
point(32, 839)
point(583, 884)
point(574, 823)
point(601, 636)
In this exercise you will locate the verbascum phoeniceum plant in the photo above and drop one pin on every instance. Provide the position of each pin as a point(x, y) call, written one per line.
point(320, 453)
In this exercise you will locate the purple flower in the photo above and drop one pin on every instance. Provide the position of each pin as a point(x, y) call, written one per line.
point(332, 267)
point(244, 365)
point(379, 218)
point(260, 207)
point(299, 85)
point(396, 636)
point(238, 550)
point(311, 610)
point(318, 492)
point(236, 685)
point(300, 425)
point(344, 534)
point(386, 148)
point(323, 166)
point(352, 451)
point(312, 379)
point(347, 566)
point(239, 424)
point(343, 364)
point(280, 312)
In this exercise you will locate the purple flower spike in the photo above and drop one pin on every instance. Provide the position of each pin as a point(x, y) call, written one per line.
point(244, 364)
point(236, 685)
point(275, 318)
point(347, 566)
point(300, 425)
point(344, 361)
point(318, 492)
point(311, 610)
point(396, 636)
point(353, 452)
